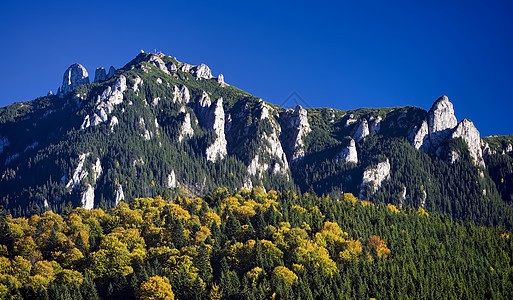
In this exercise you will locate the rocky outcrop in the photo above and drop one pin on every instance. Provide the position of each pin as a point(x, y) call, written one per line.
point(120, 195)
point(97, 170)
point(202, 71)
point(375, 124)
point(186, 129)
point(220, 80)
point(79, 174)
point(218, 148)
point(469, 133)
point(349, 153)
point(88, 198)
point(441, 120)
point(74, 76)
point(158, 62)
point(112, 72)
point(295, 128)
point(113, 122)
point(110, 97)
point(275, 158)
point(100, 74)
point(171, 180)
point(185, 95)
point(362, 131)
point(375, 176)
point(421, 138)
point(137, 83)
point(171, 67)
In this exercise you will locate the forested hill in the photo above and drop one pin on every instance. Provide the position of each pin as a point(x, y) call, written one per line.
point(252, 245)
point(160, 126)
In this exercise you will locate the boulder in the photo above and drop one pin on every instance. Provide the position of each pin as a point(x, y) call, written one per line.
point(76, 75)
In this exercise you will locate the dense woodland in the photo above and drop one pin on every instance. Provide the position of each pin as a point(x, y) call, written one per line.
point(252, 245)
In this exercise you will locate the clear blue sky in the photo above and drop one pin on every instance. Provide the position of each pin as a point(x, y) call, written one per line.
point(345, 55)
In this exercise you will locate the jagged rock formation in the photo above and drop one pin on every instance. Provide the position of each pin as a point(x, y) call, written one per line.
point(295, 127)
point(112, 72)
point(171, 180)
point(74, 76)
point(218, 148)
point(375, 124)
point(79, 174)
point(100, 74)
point(159, 63)
point(220, 80)
point(88, 198)
point(202, 71)
point(468, 132)
point(375, 176)
point(362, 131)
point(120, 195)
point(349, 153)
point(440, 122)
point(186, 129)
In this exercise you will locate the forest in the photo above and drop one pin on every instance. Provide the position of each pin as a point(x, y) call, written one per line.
point(254, 244)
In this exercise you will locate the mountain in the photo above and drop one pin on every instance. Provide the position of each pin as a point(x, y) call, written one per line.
point(159, 126)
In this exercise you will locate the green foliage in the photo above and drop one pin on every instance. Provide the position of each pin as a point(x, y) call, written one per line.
point(293, 246)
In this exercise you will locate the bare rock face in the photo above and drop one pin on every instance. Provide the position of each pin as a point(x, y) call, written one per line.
point(120, 196)
point(376, 176)
point(185, 96)
point(88, 198)
point(375, 124)
point(220, 80)
point(469, 133)
point(295, 128)
point(186, 129)
point(441, 120)
point(74, 76)
point(171, 180)
point(159, 63)
point(171, 67)
point(362, 131)
point(421, 139)
point(100, 74)
point(137, 83)
point(218, 148)
point(349, 153)
point(79, 174)
point(202, 71)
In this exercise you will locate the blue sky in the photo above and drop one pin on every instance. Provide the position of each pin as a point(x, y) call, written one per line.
point(340, 54)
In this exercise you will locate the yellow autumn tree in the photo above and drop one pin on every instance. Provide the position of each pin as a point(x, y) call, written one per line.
point(156, 288)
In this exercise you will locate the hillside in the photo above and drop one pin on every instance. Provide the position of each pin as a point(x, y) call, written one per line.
point(159, 126)
point(252, 245)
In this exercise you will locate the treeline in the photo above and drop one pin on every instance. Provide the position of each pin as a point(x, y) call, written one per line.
point(251, 245)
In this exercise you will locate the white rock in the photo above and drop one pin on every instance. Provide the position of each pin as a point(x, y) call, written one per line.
point(159, 63)
point(362, 131)
point(255, 167)
point(97, 170)
point(74, 76)
point(186, 67)
point(171, 180)
point(204, 101)
point(421, 139)
point(509, 148)
point(155, 101)
point(264, 110)
point(350, 121)
point(202, 71)
point(88, 198)
point(376, 175)
point(100, 74)
point(186, 130)
point(159, 81)
point(349, 154)
point(137, 83)
point(103, 115)
point(218, 148)
point(86, 123)
point(79, 174)
point(120, 196)
point(220, 80)
point(171, 67)
point(113, 122)
point(441, 120)
point(375, 124)
point(176, 94)
point(470, 135)
point(185, 96)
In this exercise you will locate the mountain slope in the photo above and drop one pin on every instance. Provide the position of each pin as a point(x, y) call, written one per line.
point(160, 126)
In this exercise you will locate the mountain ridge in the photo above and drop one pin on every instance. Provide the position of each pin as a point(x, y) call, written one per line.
point(188, 130)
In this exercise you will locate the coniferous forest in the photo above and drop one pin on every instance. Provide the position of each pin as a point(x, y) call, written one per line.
point(252, 245)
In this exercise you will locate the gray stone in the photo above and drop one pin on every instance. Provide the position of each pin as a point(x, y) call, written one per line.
point(100, 74)
point(76, 75)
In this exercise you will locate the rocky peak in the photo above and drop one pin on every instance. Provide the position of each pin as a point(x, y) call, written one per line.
point(158, 62)
point(220, 80)
point(218, 148)
point(74, 76)
point(441, 120)
point(100, 74)
point(112, 71)
point(469, 133)
point(202, 71)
